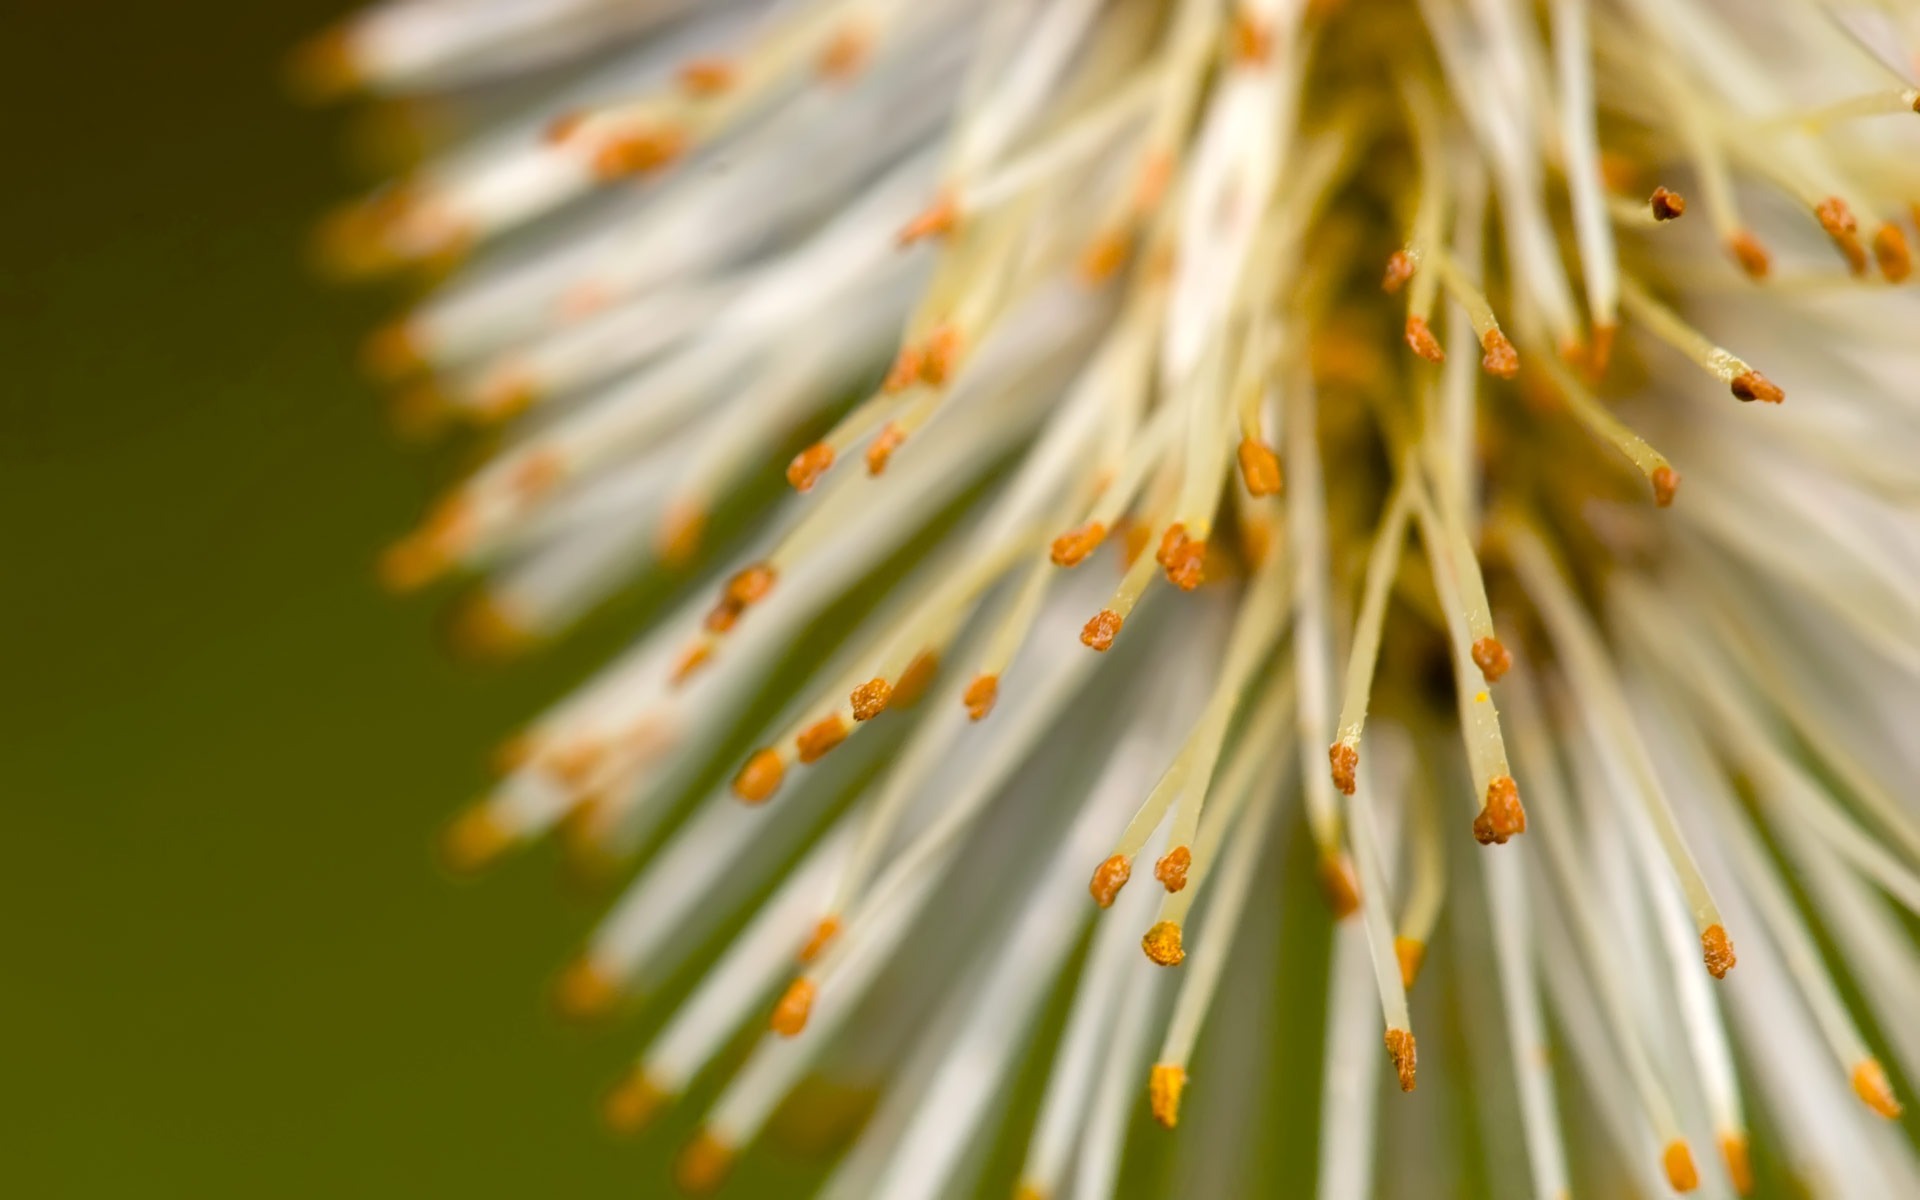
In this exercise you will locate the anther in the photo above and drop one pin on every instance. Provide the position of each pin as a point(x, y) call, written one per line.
point(870, 699)
point(1502, 817)
point(938, 220)
point(1108, 878)
point(583, 992)
point(1749, 386)
point(823, 735)
point(1870, 1084)
point(1750, 254)
point(1162, 944)
point(941, 356)
point(1070, 549)
point(1345, 761)
point(1666, 205)
point(631, 1104)
point(1666, 483)
point(1164, 1085)
point(760, 778)
point(1677, 1159)
point(1183, 558)
point(809, 465)
point(1172, 868)
point(1838, 220)
point(1890, 251)
point(1400, 1047)
point(1735, 1153)
point(1717, 948)
point(795, 1006)
point(750, 585)
point(1101, 629)
point(821, 937)
point(980, 695)
point(1421, 340)
point(1410, 953)
point(881, 449)
point(1338, 885)
point(915, 680)
point(691, 660)
point(1492, 658)
point(473, 841)
point(1500, 358)
point(637, 153)
point(703, 1164)
point(1400, 269)
point(706, 77)
point(1259, 467)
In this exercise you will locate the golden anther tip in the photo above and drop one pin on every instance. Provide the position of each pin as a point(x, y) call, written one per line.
point(1677, 1160)
point(1500, 359)
point(1183, 558)
point(1345, 763)
point(324, 69)
point(1400, 1047)
point(1104, 256)
point(1338, 885)
point(1421, 341)
point(1162, 944)
point(706, 77)
point(795, 1006)
point(940, 356)
point(1717, 949)
point(1172, 868)
point(1750, 254)
point(583, 992)
point(1410, 952)
point(1071, 549)
point(1164, 1085)
point(1101, 629)
point(473, 841)
point(845, 53)
point(915, 680)
point(691, 660)
point(760, 777)
point(1734, 1152)
point(980, 696)
point(1502, 817)
point(1400, 269)
point(393, 354)
point(821, 937)
point(631, 1104)
point(703, 1165)
point(1870, 1084)
point(1492, 658)
point(750, 585)
point(817, 739)
point(1259, 467)
point(483, 627)
point(880, 450)
point(638, 153)
point(1749, 386)
point(870, 699)
point(1666, 205)
point(1108, 878)
point(809, 465)
point(1891, 253)
point(937, 220)
point(1666, 484)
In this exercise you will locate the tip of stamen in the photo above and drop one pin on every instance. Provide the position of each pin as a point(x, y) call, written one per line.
point(325, 69)
point(1172, 868)
point(1183, 558)
point(1104, 256)
point(1666, 483)
point(915, 680)
point(1749, 386)
point(751, 585)
point(1339, 885)
point(1344, 760)
point(880, 450)
point(583, 992)
point(1421, 341)
point(1410, 952)
point(870, 699)
point(483, 627)
point(1108, 878)
point(1162, 944)
point(637, 153)
point(631, 1104)
point(1400, 269)
point(1734, 1152)
point(1502, 817)
point(1870, 1084)
point(822, 935)
point(1164, 1085)
point(809, 465)
point(1677, 1159)
point(1666, 205)
point(1492, 658)
point(1717, 948)
point(817, 739)
point(393, 354)
point(1071, 549)
point(1259, 467)
point(1401, 1047)
point(940, 356)
point(680, 533)
point(1891, 253)
point(760, 778)
point(473, 841)
point(1750, 254)
point(703, 1165)
point(1500, 359)
point(691, 660)
point(1099, 632)
point(936, 220)
point(706, 77)
point(795, 1006)
point(980, 696)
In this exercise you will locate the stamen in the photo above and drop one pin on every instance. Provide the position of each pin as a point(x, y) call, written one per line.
point(704, 1164)
point(809, 465)
point(760, 778)
point(1259, 467)
point(1666, 205)
point(1503, 817)
point(583, 992)
point(870, 699)
point(1870, 1084)
point(1164, 1086)
point(1101, 629)
point(1400, 1047)
point(822, 736)
point(1109, 878)
point(796, 1004)
point(1717, 949)
point(1677, 1161)
point(1162, 944)
point(631, 1104)
point(980, 696)
point(1171, 869)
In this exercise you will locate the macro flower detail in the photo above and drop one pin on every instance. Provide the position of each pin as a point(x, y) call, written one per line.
point(1177, 507)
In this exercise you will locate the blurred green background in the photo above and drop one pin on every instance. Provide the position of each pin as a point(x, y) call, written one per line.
point(231, 968)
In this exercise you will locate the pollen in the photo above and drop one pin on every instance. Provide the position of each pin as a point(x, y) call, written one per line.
point(1666, 205)
point(750, 586)
point(936, 221)
point(1164, 1084)
point(1400, 1047)
point(1750, 254)
point(915, 680)
point(1338, 885)
point(1183, 558)
point(1410, 953)
point(1749, 386)
point(1345, 763)
point(1422, 342)
point(1259, 467)
point(583, 992)
point(880, 450)
point(1162, 944)
point(1870, 1084)
point(809, 465)
point(1108, 878)
point(1400, 268)
point(870, 699)
point(817, 739)
point(1666, 484)
point(1101, 629)
point(821, 937)
point(1500, 359)
point(1677, 1161)
point(795, 1006)
point(637, 153)
point(1717, 948)
point(980, 696)
point(707, 77)
point(703, 1165)
point(1735, 1152)
point(473, 841)
point(631, 1104)
point(1891, 253)
point(1492, 658)
point(1071, 549)
point(1502, 817)
point(760, 778)
point(1172, 868)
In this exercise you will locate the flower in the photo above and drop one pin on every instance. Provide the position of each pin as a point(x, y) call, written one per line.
point(1106, 275)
